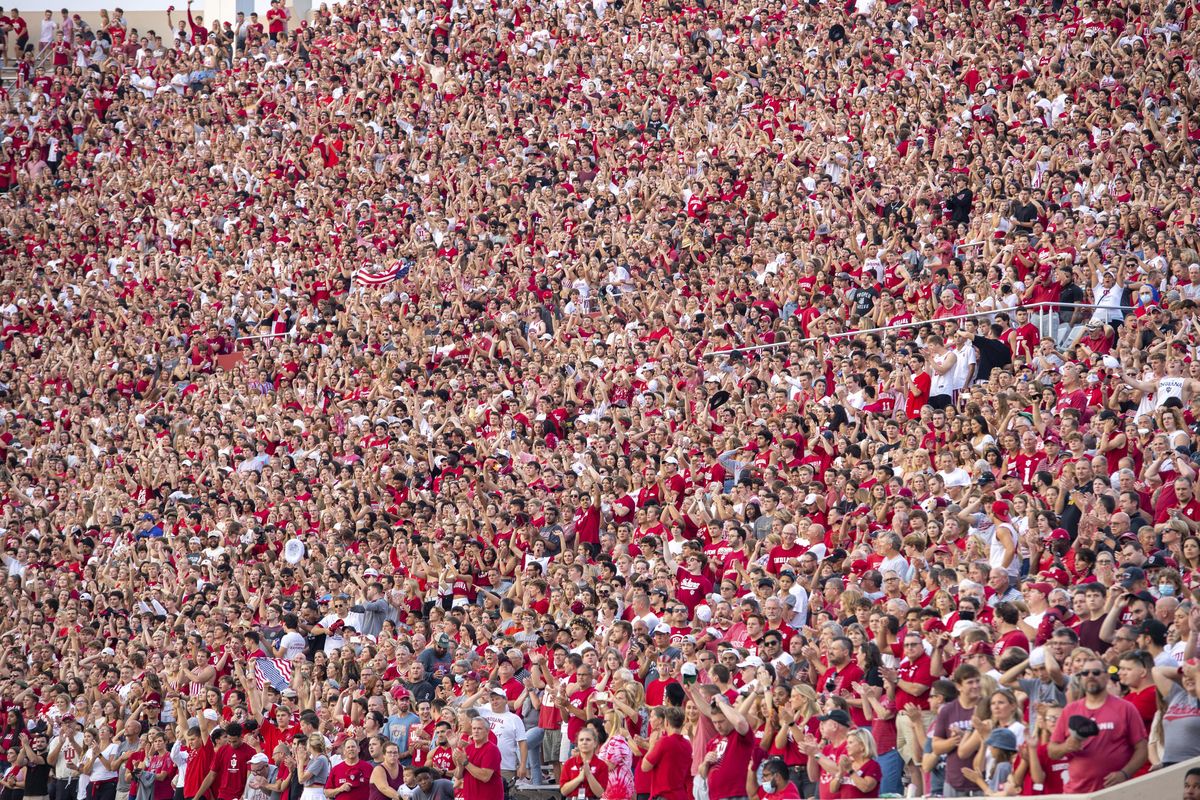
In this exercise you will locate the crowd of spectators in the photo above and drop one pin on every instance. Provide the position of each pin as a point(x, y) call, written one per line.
point(646, 398)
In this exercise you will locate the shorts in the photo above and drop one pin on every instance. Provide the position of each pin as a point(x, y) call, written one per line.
point(906, 737)
point(941, 401)
point(551, 742)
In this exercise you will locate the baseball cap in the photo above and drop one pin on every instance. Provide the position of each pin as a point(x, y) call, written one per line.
point(1040, 586)
point(259, 758)
point(979, 648)
point(1153, 628)
point(1160, 561)
point(1142, 595)
point(1056, 574)
point(498, 692)
point(751, 661)
point(1131, 575)
point(837, 715)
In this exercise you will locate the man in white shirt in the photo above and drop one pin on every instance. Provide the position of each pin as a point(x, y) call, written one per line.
point(510, 733)
point(333, 624)
point(66, 754)
point(293, 642)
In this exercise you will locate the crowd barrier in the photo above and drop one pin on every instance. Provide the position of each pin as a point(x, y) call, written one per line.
point(1044, 315)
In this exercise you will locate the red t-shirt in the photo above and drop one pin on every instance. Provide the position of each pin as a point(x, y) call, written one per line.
point(788, 792)
point(727, 777)
point(357, 776)
point(691, 588)
point(1054, 770)
point(485, 756)
point(672, 760)
point(1014, 638)
point(914, 672)
point(843, 684)
point(778, 558)
point(1146, 702)
point(232, 766)
point(1121, 728)
point(276, 18)
point(869, 770)
point(833, 752)
point(572, 768)
point(575, 724)
point(198, 766)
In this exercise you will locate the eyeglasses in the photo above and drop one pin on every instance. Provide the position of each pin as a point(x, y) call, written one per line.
point(1090, 672)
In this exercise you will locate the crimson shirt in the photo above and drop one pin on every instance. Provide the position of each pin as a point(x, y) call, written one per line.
point(572, 768)
point(727, 777)
point(485, 756)
point(357, 776)
point(232, 766)
point(672, 760)
point(914, 672)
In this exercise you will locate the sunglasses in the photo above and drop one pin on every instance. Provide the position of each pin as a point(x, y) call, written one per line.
point(1090, 672)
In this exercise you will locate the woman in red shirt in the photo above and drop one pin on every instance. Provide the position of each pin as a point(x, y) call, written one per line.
point(160, 764)
point(857, 774)
point(584, 775)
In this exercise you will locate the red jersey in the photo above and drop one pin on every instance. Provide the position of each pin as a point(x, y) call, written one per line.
point(232, 766)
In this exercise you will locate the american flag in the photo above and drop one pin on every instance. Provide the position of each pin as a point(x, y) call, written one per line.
point(365, 277)
point(274, 671)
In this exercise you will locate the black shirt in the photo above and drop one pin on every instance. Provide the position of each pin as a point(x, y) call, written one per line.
point(993, 354)
point(959, 206)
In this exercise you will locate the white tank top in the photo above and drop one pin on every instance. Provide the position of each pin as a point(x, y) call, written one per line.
point(943, 383)
point(1168, 387)
point(996, 551)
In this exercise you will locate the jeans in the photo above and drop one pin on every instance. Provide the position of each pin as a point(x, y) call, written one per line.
point(533, 758)
point(892, 767)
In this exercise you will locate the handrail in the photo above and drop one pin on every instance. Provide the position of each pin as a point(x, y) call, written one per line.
point(291, 332)
point(1042, 306)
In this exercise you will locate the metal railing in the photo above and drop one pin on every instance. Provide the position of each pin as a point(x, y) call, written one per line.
point(1046, 313)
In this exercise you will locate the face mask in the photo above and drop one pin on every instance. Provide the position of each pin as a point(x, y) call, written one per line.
point(767, 786)
point(1166, 590)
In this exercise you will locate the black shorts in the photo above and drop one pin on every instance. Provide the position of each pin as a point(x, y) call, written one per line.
point(941, 401)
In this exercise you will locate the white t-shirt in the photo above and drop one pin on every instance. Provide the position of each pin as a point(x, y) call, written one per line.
point(896, 563)
point(99, 773)
point(333, 641)
point(293, 644)
point(509, 730)
point(956, 477)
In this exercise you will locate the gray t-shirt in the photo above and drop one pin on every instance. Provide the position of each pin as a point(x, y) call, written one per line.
point(1181, 727)
point(999, 776)
point(441, 789)
point(1042, 692)
point(123, 776)
point(318, 768)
